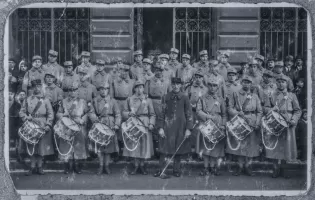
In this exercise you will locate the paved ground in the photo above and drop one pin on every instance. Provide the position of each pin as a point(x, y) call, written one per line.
point(189, 181)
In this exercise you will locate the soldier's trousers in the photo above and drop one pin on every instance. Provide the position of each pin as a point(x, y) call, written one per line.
point(163, 162)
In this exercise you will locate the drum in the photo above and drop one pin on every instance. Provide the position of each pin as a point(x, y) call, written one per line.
point(66, 128)
point(31, 132)
point(101, 134)
point(238, 127)
point(211, 131)
point(132, 130)
point(274, 123)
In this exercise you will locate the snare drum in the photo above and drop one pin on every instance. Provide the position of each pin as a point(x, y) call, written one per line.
point(101, 134)
point(211, 131)
point(31, 132)
point(238, 127)
point(274, 123)
point(133, 129)
point(66, 128)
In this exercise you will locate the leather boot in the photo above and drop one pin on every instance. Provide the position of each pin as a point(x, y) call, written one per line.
point(157, 173)
point(276, 171)
point(216, 171)
point(248, 171)
point(204, 172)
point(143, 170)
point(107, 170)
point(77, 168)
point(40, 171)
point(134, 171)
point(100, 170)
point(237, 171)
point(66, 170)
point(30, 172)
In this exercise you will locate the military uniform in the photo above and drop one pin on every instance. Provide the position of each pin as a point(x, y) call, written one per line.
point(54, 68)
point(232, 87)
point(213, 74)
point(222, 68)
point(31, 75)
point(68, 80)
point(276, 75)
point(86, 90)
point(185, 73)
point(266, 89)
point(136, 70)
point(53, 93)
point(147, 74)
point(88, 67)
point(99, 77)
point(200, 64)
point(174, 64)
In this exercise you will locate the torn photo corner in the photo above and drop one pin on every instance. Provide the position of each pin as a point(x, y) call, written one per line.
point(92, 55)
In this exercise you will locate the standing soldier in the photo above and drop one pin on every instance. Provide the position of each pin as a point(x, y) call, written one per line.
point(266, 86)
point(173, 63)
point(232, 85)
point(156, 88)
point(212, 73)
point(260, 62)
point(168, 71)
point(195, 92)
point(254, 72)
point(69, 78)
point(52, 92)
point(288, 65)
point(211, 107)
point(270, 63)
point(100, 74)
point(223, 66)
point(185, 72)
point(139, 106)
point(106, 111)
point(278, 71)
point(115, 71)
point(247, 105)
point(203, 62)
point(147, 73)
point(136, 70)
point(175, 127)
point(36, 72)
point(85, 64)
point(76, 109)
point(53, 67)
point(286, 104)
point(86, 90)
point(38, 109)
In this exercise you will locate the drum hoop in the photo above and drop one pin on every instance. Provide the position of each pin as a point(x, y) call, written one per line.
point(264, 125)
point(61, 120)
point(98, 141)
point(229, 142)
point(61, 136)
point(27, 140)
point(263, 140)
point(126, 146)
point(206, 122)
point(209, 149)
point(237, 137)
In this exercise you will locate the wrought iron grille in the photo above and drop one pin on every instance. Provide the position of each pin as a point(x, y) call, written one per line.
point(64, 30)
point(192, 30)
point(283, 32)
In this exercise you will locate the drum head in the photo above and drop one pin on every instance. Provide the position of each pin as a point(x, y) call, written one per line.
point(103, 129)
point(70, 124)
point(279, 119)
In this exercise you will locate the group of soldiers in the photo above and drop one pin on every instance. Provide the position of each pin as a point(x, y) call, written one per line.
point(169, 97)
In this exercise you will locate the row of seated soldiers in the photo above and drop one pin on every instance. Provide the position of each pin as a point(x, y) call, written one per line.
point(194, 82)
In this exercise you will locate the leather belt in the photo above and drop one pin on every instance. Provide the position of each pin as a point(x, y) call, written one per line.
point(39, 116)
point(249, 112)
point(155, 97)
point(120, 98)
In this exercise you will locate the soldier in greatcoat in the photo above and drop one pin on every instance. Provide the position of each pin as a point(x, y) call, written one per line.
point(100, 75)
point(69, 78)
point(147, 72)
point(115, 71)
point(203, 63)
point(38, 109)
point(223, 65)
point(175, 126)
point(86, 90)
point(278, 71)
point(286, 104)
point(270, 63)
point(53, 67)
point(245, 104)
point(141, 107)
point(136, 70)
point(232, 85)
point(212, 73)
point(85, 64)
point(105, 110)
point(260, 63)
point(168, 71)
point(78, 110)
point(52, 91)
point(36, 72)
point(185, 72)
point(267, 86)
point(211, 107)
point(173, 62)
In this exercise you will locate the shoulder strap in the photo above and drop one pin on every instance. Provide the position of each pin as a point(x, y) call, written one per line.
point(39, 103)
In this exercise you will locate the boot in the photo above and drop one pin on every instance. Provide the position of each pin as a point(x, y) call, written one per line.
point(157, 173)
point(238, 171)
point(40, 171)
point(100, 170)
point(176, 173)
point(204, 172)
point(107, 170)
point(30, 172)
point(248, 171)
point(216, 171)
point(77, 168)
point(135, 170)
point(66, 170)
point(143, 170)
point(276, 171)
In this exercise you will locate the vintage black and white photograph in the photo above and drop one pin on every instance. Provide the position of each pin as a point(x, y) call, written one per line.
point(193, 98)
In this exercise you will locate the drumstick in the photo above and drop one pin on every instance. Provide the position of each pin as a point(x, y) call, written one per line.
point(172, 157)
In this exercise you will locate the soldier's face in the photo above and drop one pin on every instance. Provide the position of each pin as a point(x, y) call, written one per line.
point(139, 89)
point(259, 62)
point(68, 69)
point(49, 80)
point(158, 73)
point(22, 96)
point(23, 67)
point(52, 59)
point(37, 63)
point(185, 61)
point(104, 92)
point(147, 66)
point(253, 68)
point(204, 58)
point(224, 59)
point(100, 67)
point(212, 88)
point(38, 88)
point(231, 77)
point(281, 84)
point(124, 73)
point(198, 79)
point(246, 85)
point(85, 59)
point(267, 78)
point(176, 87)
point(11, 96)
point(138, 58)
point(151, 57)
point(278, 69)
point(173, 56)
point(82, 76)
point(271, 64)
point(164, 61)
point(73, 93)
